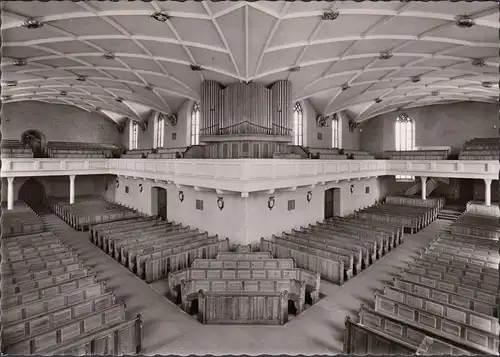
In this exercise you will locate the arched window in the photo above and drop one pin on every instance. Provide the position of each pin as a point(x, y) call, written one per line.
point(298, 120)
point(405, 133)
point(134, 135)
point(336, 135)
point(405, 138)
point(159, 130)
point(195, 124)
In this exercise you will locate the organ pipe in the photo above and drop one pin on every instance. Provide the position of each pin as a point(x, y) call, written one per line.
point(242, 108)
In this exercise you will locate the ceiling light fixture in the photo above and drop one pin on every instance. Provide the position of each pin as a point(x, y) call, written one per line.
point(32, 24)
point(385, 55)
point(415, 79)
point(6, 97)
point(148, 87)
point(378, 100)
point(195, 67)
point(434, 93)
point(19, 62)
point(294, 69)
point(160, 16)
point(329, 15)
point(119, 100)
point(345, 87)
point(63, 93)
point(109, 55)
point(487, 84)
point(81, 78)
point(478, 62)
point(464, 21)
point(11, 83)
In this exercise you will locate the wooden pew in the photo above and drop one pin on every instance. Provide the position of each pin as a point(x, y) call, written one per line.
point(110, 242)
point(311, 279)
point(220, 263)
point(44, 282)
point(361, 339)
point(8, 280)
point(190, 288)
point(356, 256)
point(447, 296)
point(232, 307)
point(122, 338)
point(137, 257)
point(324, 251)
point(237, 256)
point(453, 330)
point(122, 247)
point(392, 229)
point(78, 328)
point(466, 284)
point(37, 294)
point(384, 240)
point(330, 269)
point(363, 251)
point(153, 268)
point(465, 316)
point(443, 264)
point(382, 244)
point(398, 336)
point(437, 255)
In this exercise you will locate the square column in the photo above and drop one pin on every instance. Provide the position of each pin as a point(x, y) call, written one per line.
point(424, 187)
point(487, 192)
point(10, 193)
point(72, 189)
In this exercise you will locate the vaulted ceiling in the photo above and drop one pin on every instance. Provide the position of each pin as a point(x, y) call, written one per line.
point(364, 57)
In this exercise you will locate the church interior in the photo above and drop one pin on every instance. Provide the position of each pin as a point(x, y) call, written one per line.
point(261, 177)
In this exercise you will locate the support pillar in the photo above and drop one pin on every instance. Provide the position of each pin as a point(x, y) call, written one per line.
point(487, 192)
point(10, 193)
point(424, 187)
point(71, 189)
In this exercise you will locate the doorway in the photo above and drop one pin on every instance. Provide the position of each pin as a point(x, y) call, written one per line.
point(466, 190)
point(159, 202)
point(332, 202)
point(32, 192)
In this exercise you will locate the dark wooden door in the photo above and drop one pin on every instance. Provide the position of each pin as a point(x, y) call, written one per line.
point(329, 203)
point(162, 203)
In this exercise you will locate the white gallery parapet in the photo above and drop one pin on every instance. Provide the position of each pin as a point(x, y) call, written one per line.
point(249, 175)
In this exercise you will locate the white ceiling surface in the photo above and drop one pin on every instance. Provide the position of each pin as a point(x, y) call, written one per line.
point(245, 41)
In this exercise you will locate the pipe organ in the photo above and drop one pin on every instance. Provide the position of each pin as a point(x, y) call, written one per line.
point(245, 120)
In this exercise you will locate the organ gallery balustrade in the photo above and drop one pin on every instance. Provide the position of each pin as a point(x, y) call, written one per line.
point(248, 175)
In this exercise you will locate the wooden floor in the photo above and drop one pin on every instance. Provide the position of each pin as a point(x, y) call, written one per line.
point(168, 330)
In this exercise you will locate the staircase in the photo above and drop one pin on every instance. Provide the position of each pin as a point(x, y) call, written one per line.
point(414, 189)
point(450, 213)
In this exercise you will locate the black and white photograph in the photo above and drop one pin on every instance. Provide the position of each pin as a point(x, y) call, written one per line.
point(187, 177)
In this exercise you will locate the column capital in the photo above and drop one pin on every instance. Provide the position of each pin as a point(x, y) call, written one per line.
point(488, 181)
point(423, 178)
point(72, 177)
point(10, 179)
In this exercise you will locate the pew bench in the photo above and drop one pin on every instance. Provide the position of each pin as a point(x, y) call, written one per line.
point(156, 268)
point(329, 269)
point(295, 289)
point(238, 307)
point(456, 331)
point(311, 279)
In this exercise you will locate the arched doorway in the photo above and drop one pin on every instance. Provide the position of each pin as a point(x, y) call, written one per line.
point(159, 202)
point(32, 192)
point(35, 140)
